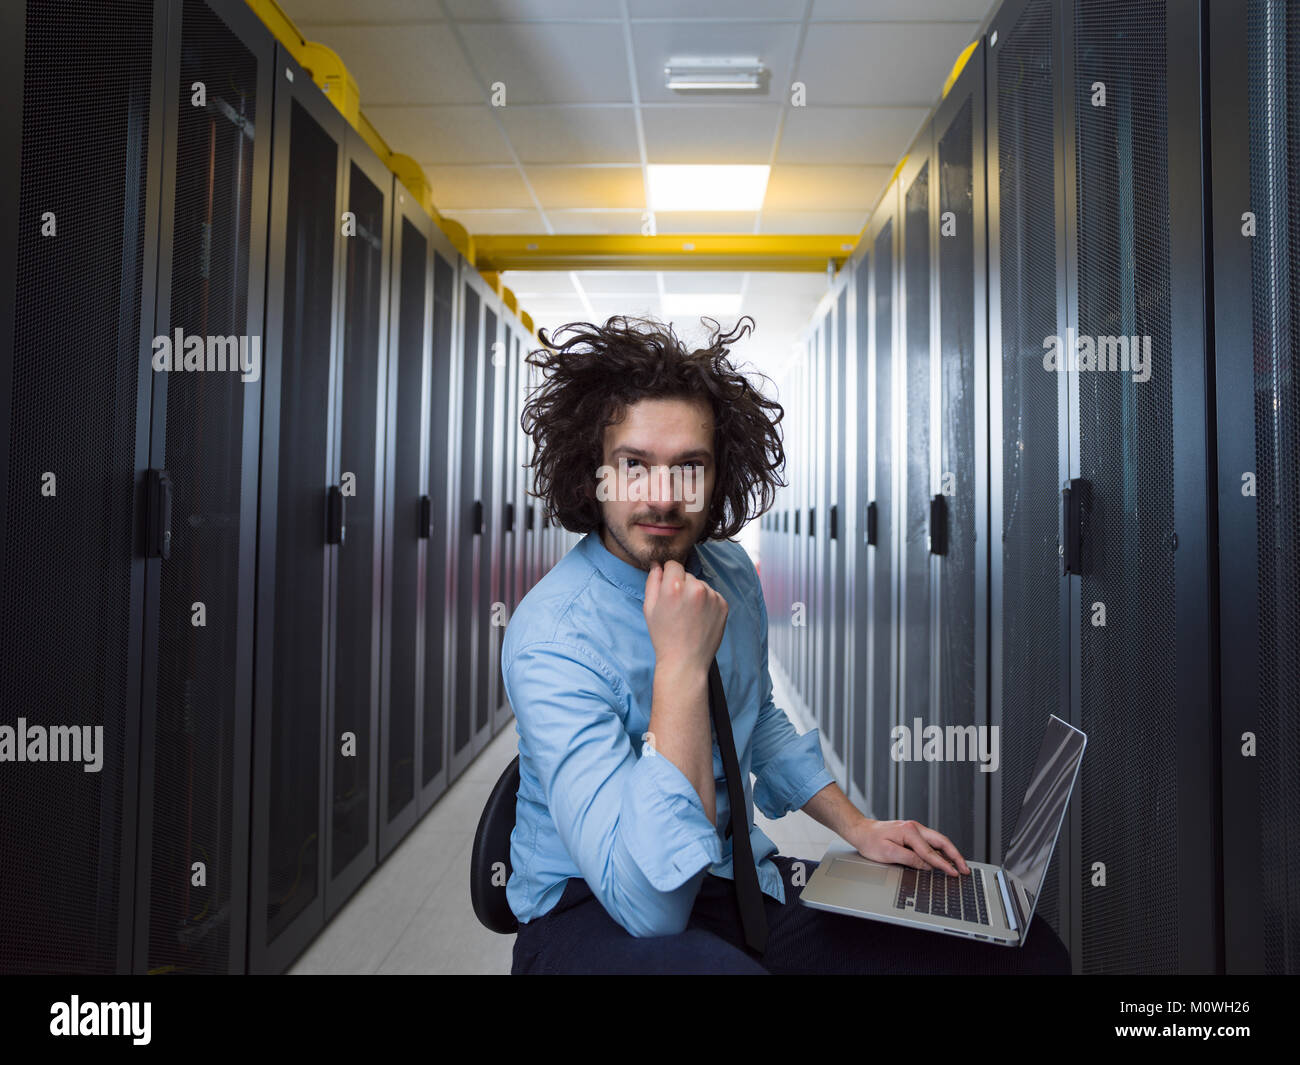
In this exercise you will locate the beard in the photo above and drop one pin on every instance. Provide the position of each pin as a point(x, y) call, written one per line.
point(659, 549)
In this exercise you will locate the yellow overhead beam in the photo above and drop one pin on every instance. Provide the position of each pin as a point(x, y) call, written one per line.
point(710, 251)
point(958, 66)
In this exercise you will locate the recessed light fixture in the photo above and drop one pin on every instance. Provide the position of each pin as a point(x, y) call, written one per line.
point(716, 74)
point(706, 188)
point(694, 304)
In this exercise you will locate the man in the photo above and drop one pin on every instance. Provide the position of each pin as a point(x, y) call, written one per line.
point(624, 853)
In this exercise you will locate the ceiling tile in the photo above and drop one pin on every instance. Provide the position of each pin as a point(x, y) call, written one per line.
point(305, 13)
point(654, 43)
point(619, 281)
point(813, 222)
point(920, 10)
point(457, 134)
point(715, 9)
point(704, 222)
point(828, 187)
point(488, 10)
point(418, 64)
point(539, 282)
point(877, 135)
point(545, 134)
point(568, 186)
point(496, 221)
point(696, 132)
point(470, 187)
point(618, 222)
point(773, 285)
point(547, 63)
point(880, 63)
point(703, 281)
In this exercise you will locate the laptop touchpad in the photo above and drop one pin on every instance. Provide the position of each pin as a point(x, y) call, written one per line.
point(859, 871)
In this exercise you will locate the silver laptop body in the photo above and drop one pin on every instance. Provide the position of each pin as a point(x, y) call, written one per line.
point(845, 882)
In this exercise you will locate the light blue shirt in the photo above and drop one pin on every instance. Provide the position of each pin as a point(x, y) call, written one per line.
point(578, 666)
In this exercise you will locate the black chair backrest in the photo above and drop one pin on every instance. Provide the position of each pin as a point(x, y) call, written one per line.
point(489, 864)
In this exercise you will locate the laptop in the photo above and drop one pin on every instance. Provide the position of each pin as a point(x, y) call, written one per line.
point(993, 903)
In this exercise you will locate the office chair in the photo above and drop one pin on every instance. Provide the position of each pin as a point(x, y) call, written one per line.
point(492, 845)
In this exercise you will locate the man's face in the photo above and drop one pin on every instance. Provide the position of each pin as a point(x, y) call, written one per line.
point(658, 478)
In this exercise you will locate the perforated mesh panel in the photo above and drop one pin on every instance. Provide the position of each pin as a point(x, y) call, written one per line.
point(864, 418)
point(487, 632)
point(839, 456)
point(439, 607)
point(405, 507)
point(882, 709)
point(358, 595)
point(65, 588)
point(1031, 586)
point(914, 696)
point(956, 268)
point(1129, 782)
point(296, 708)
point(463, 524)
point(194, 767)
point(1273, 35)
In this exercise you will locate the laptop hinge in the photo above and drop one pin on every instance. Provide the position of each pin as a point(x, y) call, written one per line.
point(1012, 911)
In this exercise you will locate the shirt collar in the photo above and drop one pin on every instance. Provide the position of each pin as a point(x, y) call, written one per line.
point(631, 579)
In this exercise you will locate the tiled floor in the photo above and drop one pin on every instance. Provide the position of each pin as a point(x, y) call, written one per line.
point(413, 914)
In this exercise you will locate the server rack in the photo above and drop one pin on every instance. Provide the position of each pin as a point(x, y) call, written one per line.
point(361, 413)
point(1028, 459)
point(878, 769)
point(858, 427)
point(839, 695)
point(1140, 447)
point(75, 455)
point(444, 440)
point(1254, 251)
point(499, 600)
point(302, 519)
point(471, 727)
point(914, 402)
point(959, 452)
point(191, 898)
point(408, 524)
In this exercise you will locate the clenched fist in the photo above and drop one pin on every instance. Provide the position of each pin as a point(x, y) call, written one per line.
point(685, 616)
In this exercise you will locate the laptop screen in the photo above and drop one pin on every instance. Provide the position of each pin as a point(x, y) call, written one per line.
point(1043, 810)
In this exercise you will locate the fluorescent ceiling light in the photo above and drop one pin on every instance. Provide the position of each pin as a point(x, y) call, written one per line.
point(715, 74)
point(694, 304)
point(706, 188)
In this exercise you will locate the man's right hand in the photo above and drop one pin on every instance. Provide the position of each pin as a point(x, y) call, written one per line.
point(686, 617)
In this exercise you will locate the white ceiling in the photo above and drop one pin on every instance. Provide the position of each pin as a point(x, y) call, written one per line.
point(586, 111)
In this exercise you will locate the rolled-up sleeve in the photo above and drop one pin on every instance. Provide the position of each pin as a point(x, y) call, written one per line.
point(788, 767)
point(634, 825)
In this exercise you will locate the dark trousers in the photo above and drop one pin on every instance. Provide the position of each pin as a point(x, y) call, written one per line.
point(577, 936)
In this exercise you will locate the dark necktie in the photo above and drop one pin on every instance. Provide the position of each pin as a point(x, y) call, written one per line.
point(743, 871)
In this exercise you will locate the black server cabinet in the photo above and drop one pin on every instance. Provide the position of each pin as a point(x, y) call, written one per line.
point(408, 521)
point(196, 724)
point(84, 148)
point(302, 521)
point(522, 537)
point(439, 623)
point(958, 506)
point(1254, 132)
point(472, 555)
point(818, 680)
point(1028, 654)
point(499, 593)
point(914, 406)
point(1141, 672)
point(878, 607)
point(857, 444)
point(838, 689)
point(360, 411)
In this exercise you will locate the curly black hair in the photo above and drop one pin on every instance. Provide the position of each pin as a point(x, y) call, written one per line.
point(598, 371)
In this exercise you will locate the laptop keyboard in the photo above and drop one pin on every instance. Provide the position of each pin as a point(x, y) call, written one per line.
point(940, 895)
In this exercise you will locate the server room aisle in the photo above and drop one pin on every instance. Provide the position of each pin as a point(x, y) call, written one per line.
point(414, 916)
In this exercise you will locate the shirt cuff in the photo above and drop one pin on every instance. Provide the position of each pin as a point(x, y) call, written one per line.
point(664, 826)
point(789, 780)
